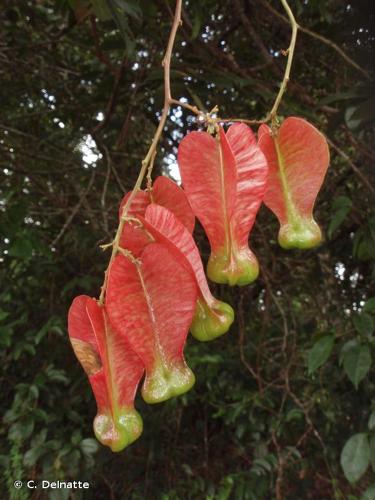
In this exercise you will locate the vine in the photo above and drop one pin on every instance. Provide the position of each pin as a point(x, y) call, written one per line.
point(210, 119)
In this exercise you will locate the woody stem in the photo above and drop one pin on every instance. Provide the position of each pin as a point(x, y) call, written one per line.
point(147, 161)
point(290, 51)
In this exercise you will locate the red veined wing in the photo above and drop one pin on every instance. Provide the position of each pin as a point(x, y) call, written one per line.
point(224, 180)
point(166, 193)
point(138, 205)
point(209, 179)
point(298, 158)
point(113, 369)
point(134, 238)
point(252, 173)
point(212, 317)
point(151, 301)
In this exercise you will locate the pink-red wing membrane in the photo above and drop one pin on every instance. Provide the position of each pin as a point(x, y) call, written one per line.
point(224, 179)
point(134, 238)
point(298, 158)
point(166, 193)
point(151, 301)
point(212, 317)
point(113, 369)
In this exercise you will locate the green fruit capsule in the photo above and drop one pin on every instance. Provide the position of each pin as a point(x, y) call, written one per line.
point(211, 321)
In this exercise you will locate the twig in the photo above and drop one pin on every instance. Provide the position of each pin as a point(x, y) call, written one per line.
point(283, 460)
point(243, 120)
point(279, 307)
point(323, 39)
point(112, 99)
point(290, 51)
point(241, 331)
point(99, 53)
point(109, 486)
point(75, 210)
point(280, 467)
point(264, 52)
point(185, 105)
point(355, 169)
point(148, 158)
point(105, 188)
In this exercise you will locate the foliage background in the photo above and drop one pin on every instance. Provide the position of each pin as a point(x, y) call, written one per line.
point(270, 413)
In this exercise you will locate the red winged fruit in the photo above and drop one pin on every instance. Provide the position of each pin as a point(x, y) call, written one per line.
point(164, 192)
point(298, 158)
point(113, 369)
point(224, 178)
point(151, 302)
point(212, 317)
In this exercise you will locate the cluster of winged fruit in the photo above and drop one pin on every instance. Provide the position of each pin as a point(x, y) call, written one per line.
point(156, 287)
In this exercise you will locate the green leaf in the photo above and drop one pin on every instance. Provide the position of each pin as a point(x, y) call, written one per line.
point(197, 24)
point(119, 14)
point(357, 362)
point(3, 314)
point(294, 414)
point(369, 494)
point(364, 112)
point(58, 494)
point(350, 344)
point(371, 421)
point(21, 430)
point(226, 487)
point(81, 8)
point(372, 452)
point(351, 117)
point(355, 457)
point(369, 307)
point(21, 248)
point(320, 352)
point(364, 241)
point(89, 446)
point(101, 10)
point(341, 207)
point(364, 324)
point(130, 7)
point(32, 456)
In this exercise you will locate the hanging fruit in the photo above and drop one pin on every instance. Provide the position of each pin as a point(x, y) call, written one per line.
point(164, 192)
point(113, 369)
point(212, 317)
point(298, 158)
point(224, 178)
point(151, 302)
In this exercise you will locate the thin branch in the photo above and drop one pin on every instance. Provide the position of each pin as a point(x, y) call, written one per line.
point(112, 98)
point(105, 189)
point(122, 138)
point(187, 106)
point(75, 210)
point(243, 120)
point(322, 39)
point(355, 169)
point(241, 331)
point(290, 52)
point(264, 52)
point(98, 51)
point(337, 49)
point(150, 154)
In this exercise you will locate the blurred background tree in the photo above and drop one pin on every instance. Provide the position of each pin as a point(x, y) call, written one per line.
point(284, 405)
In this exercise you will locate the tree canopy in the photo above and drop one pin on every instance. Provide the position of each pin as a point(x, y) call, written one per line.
point(284, 404)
